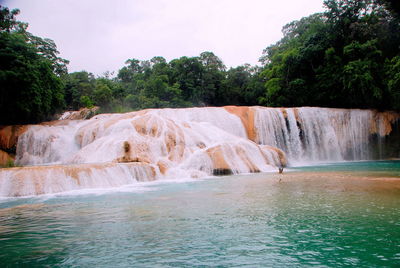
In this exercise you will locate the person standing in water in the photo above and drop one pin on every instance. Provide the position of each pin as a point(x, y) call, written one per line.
point(280, 172)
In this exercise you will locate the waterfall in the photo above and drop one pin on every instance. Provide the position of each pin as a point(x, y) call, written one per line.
point(111, 150)
point(311, 134)
point(42, 144)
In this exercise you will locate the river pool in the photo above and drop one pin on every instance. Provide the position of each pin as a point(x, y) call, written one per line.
point(327, 216)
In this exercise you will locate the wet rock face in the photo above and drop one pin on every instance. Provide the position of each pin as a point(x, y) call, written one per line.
point(383, 123)
point(387, 146)
point(127, 154)
point(282, 160)
point(5, 159)
point(246, 115)
point(222, 172)
point(9, 136)
point(82, 114)
point(127, 147)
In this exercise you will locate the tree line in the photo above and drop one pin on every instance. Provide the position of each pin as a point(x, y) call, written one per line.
point(156, 83)
point(347, 56)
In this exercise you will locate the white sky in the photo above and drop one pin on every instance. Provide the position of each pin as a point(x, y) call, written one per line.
point(99, 36)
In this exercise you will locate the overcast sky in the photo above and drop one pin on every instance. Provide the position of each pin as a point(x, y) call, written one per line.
point(99, 36)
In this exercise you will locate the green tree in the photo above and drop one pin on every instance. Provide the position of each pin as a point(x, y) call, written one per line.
point(78, 84)
point(48, 49)
point(85, 101)
point(392, 71)
point(334, 58)
point(30, 90)
point(102, 94)
point(188, 73)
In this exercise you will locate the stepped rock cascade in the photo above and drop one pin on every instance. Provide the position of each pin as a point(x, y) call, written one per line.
point(112, 150)
point(36, 180)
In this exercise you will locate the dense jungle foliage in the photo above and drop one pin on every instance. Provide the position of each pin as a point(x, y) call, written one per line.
point(348, 56)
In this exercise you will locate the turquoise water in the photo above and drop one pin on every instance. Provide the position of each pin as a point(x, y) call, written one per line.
point(317, 216)
point(392, 166)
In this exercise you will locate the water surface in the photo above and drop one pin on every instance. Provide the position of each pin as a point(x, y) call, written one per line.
point(326, 216)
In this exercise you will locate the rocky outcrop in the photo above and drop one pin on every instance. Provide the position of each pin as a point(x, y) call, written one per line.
point(5, 159)
point(9, 136)
point(281, 155)
point(126, 158)
point(382, 122)
point(233, 158)
point(246, 115)
point(219, 164)
point(82, 114)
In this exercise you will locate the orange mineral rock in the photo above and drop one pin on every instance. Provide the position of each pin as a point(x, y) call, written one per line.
point(9, 135)
point(5, 158)
point(220, 166)
point(246, 115)
point(382, 122)
point(281, 154)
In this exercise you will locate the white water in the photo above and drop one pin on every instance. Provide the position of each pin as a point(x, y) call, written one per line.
point(182, 143)
point(54, 179)
point(218, 117)
point(318, 134)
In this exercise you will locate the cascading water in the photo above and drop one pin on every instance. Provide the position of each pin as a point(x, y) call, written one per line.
point(181, 143)
point(46, 144)
point(279, 130)
point(311, 134)
point(216, 116)
point(54, 179)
